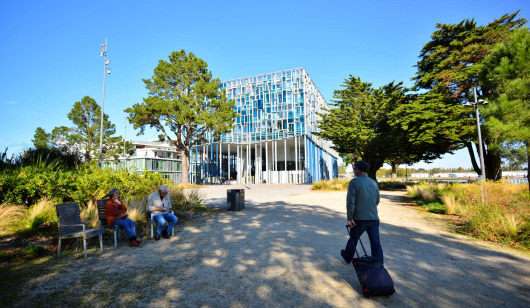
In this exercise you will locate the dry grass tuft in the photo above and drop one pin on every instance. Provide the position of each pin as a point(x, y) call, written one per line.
point(451, 204)
point(136, 208)
point(41, 215)
point(10, 217)
point(90, 213)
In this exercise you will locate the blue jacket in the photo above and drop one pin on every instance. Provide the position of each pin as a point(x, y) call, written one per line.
point(362, 199)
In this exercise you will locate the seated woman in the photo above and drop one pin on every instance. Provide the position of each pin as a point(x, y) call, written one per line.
point(159, 204)
point(116, 214)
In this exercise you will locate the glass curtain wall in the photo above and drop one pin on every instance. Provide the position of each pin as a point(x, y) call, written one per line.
point(278, 114)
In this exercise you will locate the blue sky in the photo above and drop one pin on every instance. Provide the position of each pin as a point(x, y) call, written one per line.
point(50, 55)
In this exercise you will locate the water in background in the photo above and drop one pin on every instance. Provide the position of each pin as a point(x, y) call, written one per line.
point(518, 181)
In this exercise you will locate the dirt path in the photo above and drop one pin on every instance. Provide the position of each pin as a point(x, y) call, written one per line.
point(286, 254)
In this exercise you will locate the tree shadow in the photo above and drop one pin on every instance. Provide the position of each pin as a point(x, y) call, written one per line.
point(282, 254)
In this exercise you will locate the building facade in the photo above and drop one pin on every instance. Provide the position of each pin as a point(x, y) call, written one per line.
point(152, 156)
point(273, 140)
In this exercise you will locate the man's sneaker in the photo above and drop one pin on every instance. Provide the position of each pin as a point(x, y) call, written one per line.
point(157, 237)
point(343, 254)
point(165, 234)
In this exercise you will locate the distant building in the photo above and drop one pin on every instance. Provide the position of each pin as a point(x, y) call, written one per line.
point(153, 156)
point(420, 175)
point(456, 175)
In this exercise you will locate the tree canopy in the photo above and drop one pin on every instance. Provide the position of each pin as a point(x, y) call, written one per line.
point(387, 124)
point(507, 72)
point(86, 117)
point(41, 139)
point(184, 103)
point(449, 65)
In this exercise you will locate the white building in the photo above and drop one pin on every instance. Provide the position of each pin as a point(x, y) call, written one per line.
point(153, 156)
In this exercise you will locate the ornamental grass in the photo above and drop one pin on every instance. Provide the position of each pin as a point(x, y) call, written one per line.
point(492, 211)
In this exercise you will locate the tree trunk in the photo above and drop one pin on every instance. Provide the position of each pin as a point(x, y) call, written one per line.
point(493, 163)
point(476, 167)
point(394, 166)
point(185, 164)
point(375, 165)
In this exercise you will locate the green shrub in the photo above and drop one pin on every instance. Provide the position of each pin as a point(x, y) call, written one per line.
point(436, 207)
point(28, 252)
point(389, 185)
point(33, 250)
point(93, 183)
point(182, 202)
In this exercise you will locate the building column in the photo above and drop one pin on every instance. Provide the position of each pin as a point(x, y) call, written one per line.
point(228, 160)
point(286, 175)
point(267, 162)
point(238, 173)
point(296, 159)
point(307, 178)
point(261, 162)
point(201, 163)
point(249, 164)
point(275, 162)
point(255, 163)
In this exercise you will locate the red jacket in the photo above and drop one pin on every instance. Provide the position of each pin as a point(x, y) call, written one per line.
point(113, 209)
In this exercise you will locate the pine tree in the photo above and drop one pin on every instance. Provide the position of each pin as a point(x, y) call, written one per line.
point(507, 72)
point(184, 103)
point(450, 63)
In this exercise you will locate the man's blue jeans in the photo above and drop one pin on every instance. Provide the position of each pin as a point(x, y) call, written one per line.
point(161, 220)
point(372, 229)
point(128, 225)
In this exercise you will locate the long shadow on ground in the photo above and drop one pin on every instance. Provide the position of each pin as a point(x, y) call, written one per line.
point(278, 254)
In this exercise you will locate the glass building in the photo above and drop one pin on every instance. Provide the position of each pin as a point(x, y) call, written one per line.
point(273, 140)
point(151, 156)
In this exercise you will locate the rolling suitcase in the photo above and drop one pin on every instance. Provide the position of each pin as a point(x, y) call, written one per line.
point(373, 276)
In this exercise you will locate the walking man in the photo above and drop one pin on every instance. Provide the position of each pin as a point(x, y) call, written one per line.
point(361, 206)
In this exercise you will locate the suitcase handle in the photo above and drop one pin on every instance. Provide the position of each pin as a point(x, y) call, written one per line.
point(359, 240)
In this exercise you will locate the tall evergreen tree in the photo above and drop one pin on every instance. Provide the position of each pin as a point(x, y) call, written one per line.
point(86, 117)
point(507, 72)
point(450, 63)
point(184, 103)
point(41, 139)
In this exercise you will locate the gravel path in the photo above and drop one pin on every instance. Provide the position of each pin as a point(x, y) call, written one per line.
point(283, 251)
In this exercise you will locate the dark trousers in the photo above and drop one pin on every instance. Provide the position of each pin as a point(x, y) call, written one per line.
point(372, 229)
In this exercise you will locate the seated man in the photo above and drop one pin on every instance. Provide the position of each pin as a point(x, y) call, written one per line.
point(159, 204)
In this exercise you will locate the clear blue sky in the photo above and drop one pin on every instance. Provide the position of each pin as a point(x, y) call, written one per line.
point(50, 52)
